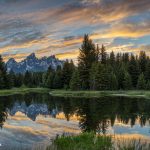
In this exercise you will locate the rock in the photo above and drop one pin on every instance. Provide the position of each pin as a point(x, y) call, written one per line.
point(33, 64)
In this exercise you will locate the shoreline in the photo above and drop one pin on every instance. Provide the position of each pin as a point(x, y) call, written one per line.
point(78, 94)
point(98, 94)
point(14, 91)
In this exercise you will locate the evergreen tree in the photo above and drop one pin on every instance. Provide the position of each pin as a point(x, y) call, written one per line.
point(118, 58)
point(112, 58)
point(67, 72)
point(125, 58)
point(57, 83)
point(142, 61)
point(75, 81)
point(103, 55)
point(93, 75)
point(141, 85)
point(44, 78)
point(36, 79)
point(113, 82)
point(49, 81)
point(147, 72)
point(102, 78)
point(97, 53)
point(127, 84)
point(4, 78)
point(12, 78)
point(28, 79)
point(86, 58)
point(121, 76)
point(148, 85)
point(134, 70)
point(49, 77)
point(18, 80)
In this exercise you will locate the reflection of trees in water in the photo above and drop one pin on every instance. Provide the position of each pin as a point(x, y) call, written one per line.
point(95, 114)
point(3, 115)
point(98, 115)
point(4, 104)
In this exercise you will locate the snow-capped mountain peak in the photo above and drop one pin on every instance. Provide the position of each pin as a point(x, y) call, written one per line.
point(33, 64)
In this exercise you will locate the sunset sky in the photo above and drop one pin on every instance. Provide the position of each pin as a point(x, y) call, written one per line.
point(49, 27)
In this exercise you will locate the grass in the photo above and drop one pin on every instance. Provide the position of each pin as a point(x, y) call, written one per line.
point(23, 91)
point(90, 94)
point(89, 141)
point(69, 93)
point(84, 141)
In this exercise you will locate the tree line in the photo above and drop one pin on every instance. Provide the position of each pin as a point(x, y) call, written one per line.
point(96, 70)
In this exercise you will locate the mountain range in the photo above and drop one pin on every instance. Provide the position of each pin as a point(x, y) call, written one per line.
point(33, 64)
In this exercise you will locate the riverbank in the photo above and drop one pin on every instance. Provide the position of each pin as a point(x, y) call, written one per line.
point(82, 94)
point(90, 141)
point(97, 94)
point(23, 91)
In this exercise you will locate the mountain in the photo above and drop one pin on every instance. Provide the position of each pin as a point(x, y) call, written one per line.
point(33, 64)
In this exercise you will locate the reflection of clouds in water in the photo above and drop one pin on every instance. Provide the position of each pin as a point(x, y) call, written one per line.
point(26, 132)
point(136, 129)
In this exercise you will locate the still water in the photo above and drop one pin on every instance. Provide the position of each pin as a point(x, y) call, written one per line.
point(32, 120)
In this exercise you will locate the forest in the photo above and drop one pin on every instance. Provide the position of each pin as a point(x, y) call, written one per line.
point(95, 70)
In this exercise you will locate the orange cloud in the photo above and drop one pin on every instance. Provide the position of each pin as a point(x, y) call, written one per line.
point(68, 55)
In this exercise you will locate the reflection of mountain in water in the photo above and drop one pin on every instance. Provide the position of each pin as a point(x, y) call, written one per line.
point(32, 111)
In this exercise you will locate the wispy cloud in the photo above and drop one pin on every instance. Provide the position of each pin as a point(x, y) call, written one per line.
point(57, 27)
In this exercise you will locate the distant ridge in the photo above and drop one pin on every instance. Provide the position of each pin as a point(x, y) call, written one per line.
point(33, 64)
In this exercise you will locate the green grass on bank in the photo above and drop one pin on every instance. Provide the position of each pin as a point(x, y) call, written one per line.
point(69, 93)
point(84, 141)
point(89, 141)
point(22, 91)
point(90, 94)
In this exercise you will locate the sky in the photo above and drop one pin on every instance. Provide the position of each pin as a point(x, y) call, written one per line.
point(57, 27)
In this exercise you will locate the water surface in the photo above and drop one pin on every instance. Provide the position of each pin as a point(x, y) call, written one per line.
point(30, 120)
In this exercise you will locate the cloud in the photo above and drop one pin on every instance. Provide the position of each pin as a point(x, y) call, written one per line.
point(57, 27)
point(68, 55)
point(124, 29)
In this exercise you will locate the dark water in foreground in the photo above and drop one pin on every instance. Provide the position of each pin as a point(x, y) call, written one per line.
point(33, 119)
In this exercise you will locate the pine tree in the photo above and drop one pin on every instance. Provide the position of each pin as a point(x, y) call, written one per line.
point(147, 72)
point(121, 76)
point(141, 85)
point(18, 80)
point(4, 78)
point(118, 58)
point(127, 84)
point(86, 58)
point(49, 77)
point(28, 79)
point(102, 78)
point(44, 78)
point(113, 82)
point(125, 58)
point(103, 55)
point(148, 85)
point(67, 72)
point(93, 72)
point(97, 53)
point(134, 70)
point(112, 58)
point(142, 61)
point(12, 78)
point(2, 83)
point(75, 81)
point(57, 83)
point(49, 81)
